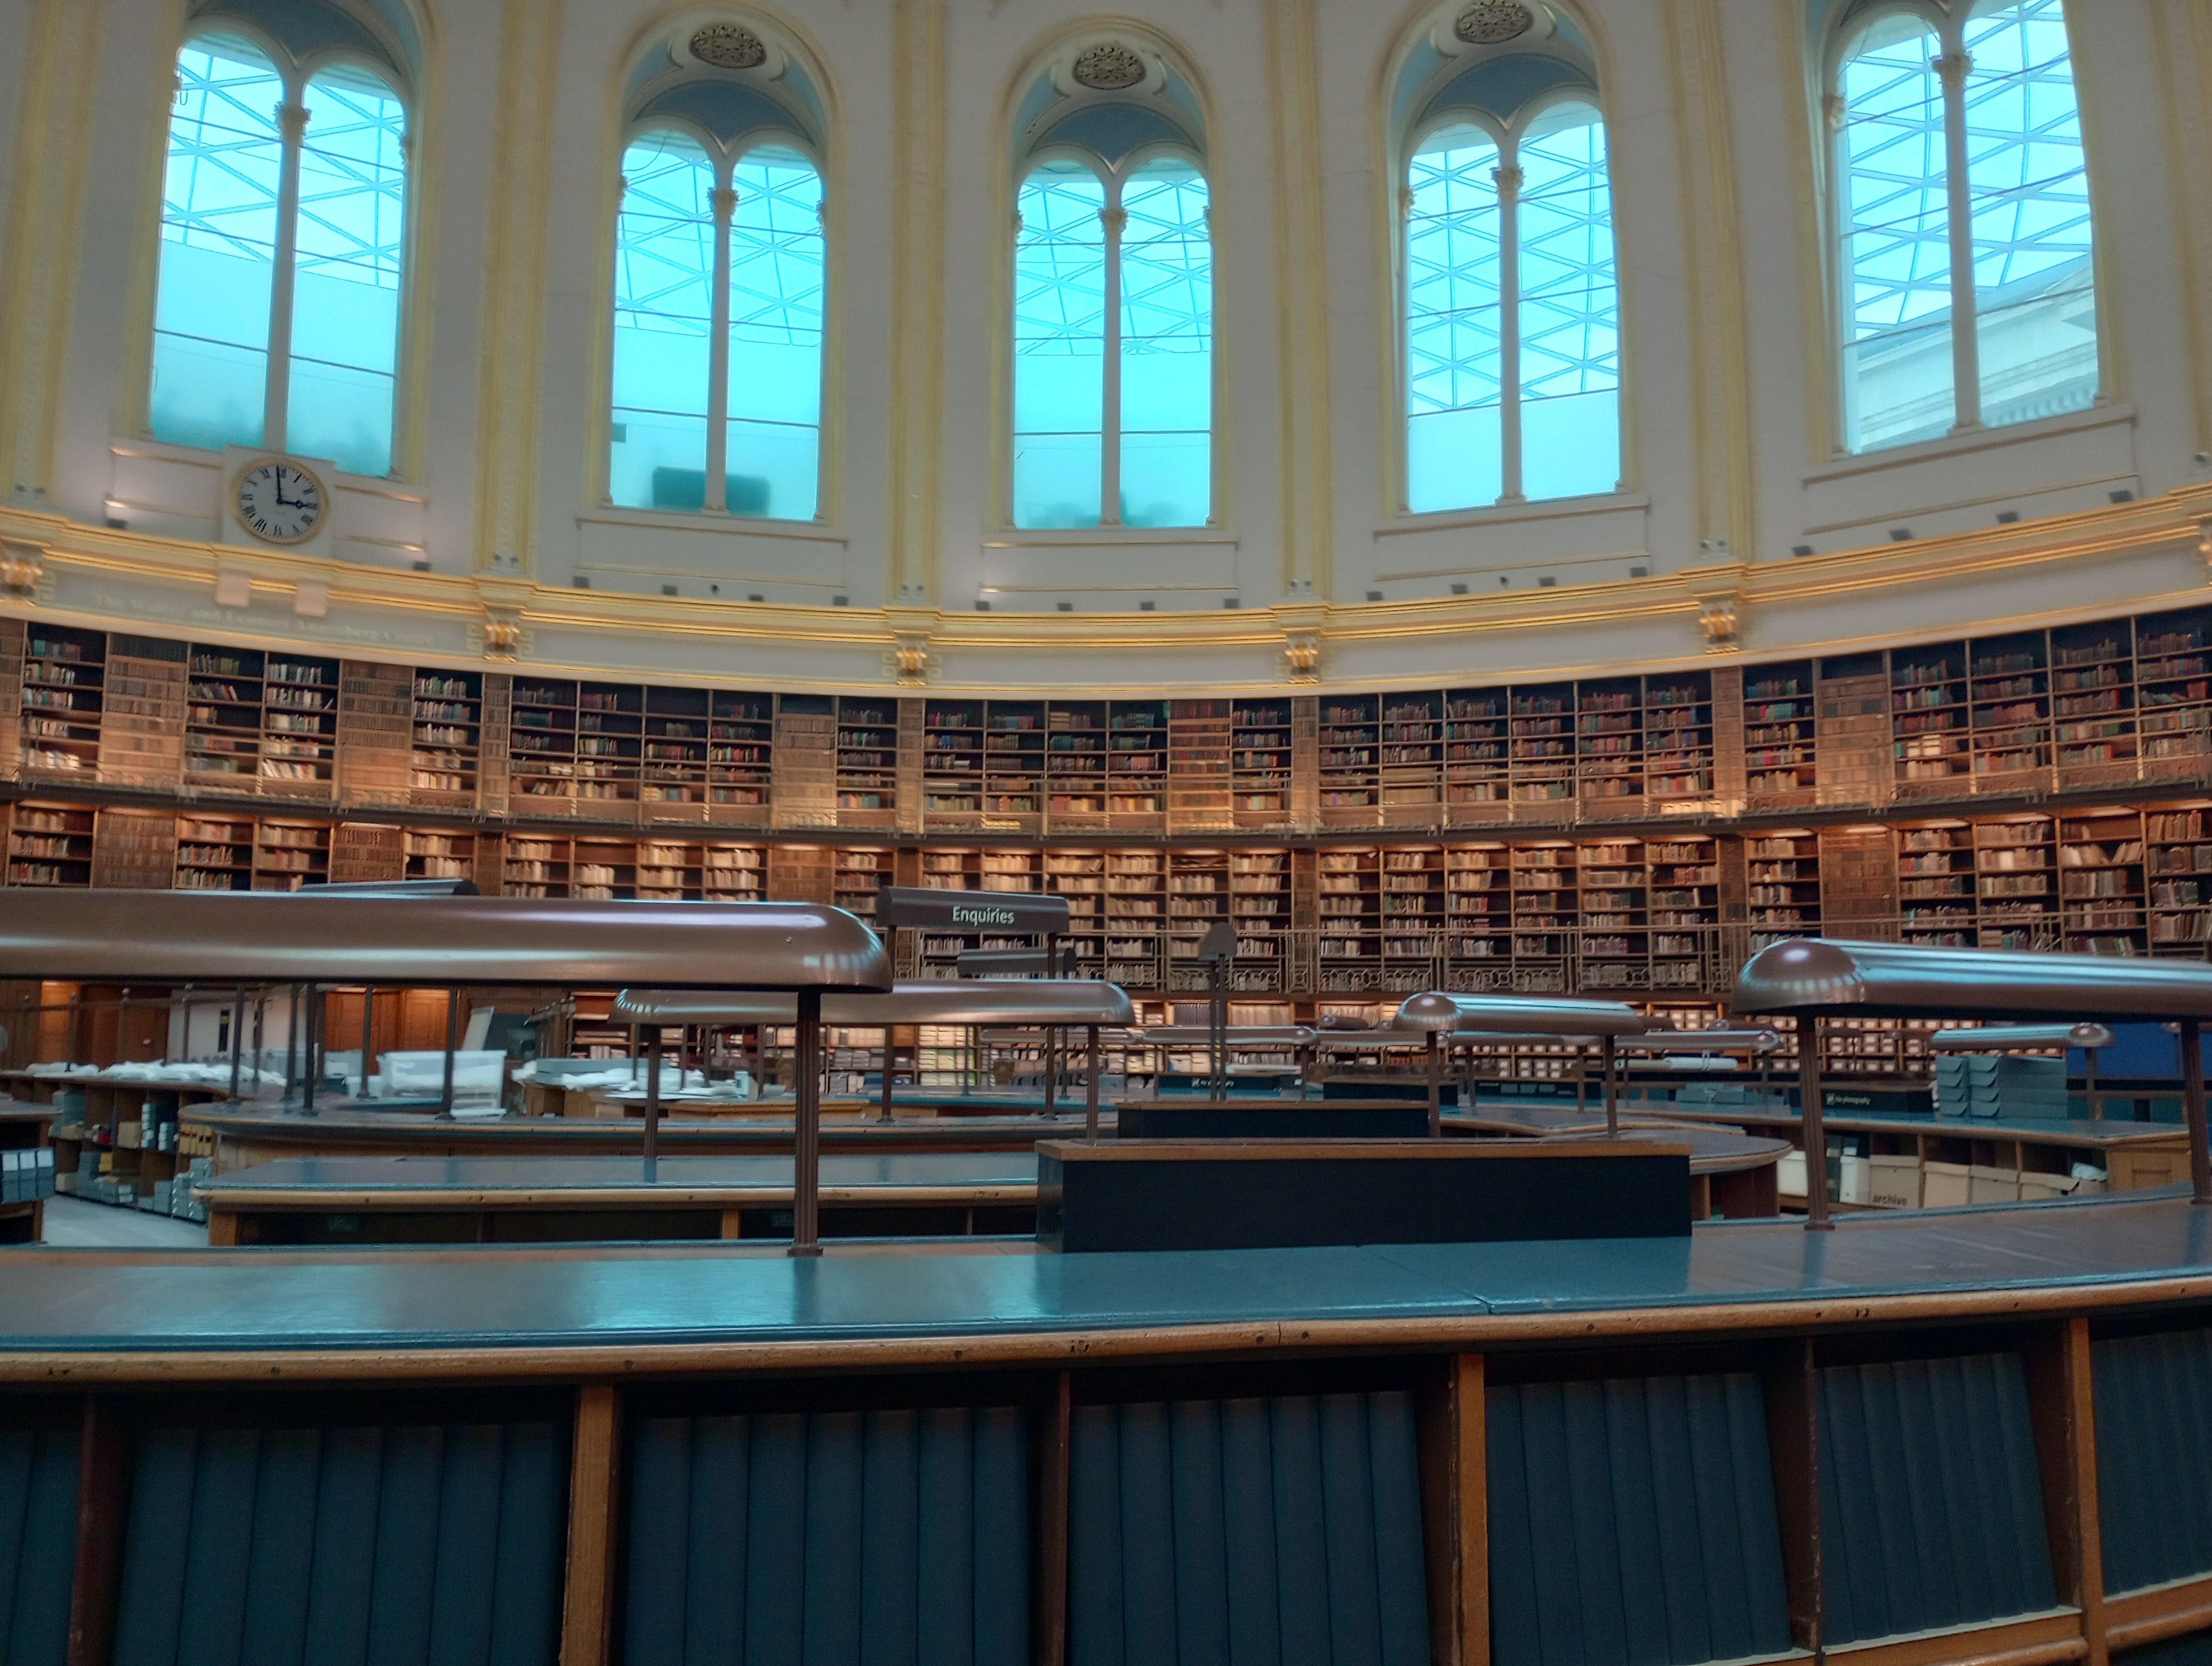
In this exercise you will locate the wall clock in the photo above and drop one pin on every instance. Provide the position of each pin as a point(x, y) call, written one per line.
point(279, 501)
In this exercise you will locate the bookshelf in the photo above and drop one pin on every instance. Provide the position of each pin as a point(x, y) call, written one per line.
point(215, 853)
point(1348, 919)
point(1198, 896)
point(2173, 694)
point(1081, 877)
point(134, 849)
point(1678, 736)
point(440, 855)
point(733, 872)
point(1201, 735)
point(141, 720)
point(1478, 751)
point(1781, 886)
point(50, 844)
point(1136, 911)
point(2009, 707)
point(740, 756)
point(1543, 743)
point(1683, 896)
point(288, 855)
point(1615, 947)
point(1075, 764)
point(64, 674)
point(542, 748)
point(1929, 718)
point(610, 745)
point(1609, 744)
point(1780, 771)
point(1412, 757)
point(1546, 912)
point(1937, 883)
point(952, 764)
point(1013, 765)
point(535, 865)
point(2101, 883)
point(867, 762)
point(1478, 916)
point(1260, 909)
point(673, 744)
point(1137, 765)
point(446, 734)
point(2178, 876)
point(1260, 763)
point(859, 874)
point(1348, 777)
point(2016, 887)
point(2094, 725)
point(1415, 917)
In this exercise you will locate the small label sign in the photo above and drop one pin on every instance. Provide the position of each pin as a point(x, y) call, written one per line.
point(1026, 914)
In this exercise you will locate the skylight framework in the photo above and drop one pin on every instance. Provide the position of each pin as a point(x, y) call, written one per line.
point(1960, 192)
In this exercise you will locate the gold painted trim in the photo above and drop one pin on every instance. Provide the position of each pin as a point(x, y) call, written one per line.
point(1303, 324)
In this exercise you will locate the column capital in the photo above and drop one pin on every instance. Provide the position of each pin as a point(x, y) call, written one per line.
point(1508, 181)
point(1953, 68)
point(726, 204)
point(292, 122)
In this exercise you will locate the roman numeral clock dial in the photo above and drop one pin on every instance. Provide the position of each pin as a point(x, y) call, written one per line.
point(279, 503)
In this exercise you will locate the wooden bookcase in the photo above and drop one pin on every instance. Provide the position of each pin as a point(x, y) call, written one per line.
point(50, 844)
point(64, 682)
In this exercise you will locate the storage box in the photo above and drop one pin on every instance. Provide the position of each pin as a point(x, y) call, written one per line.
point(1893, 1182)
point(1994, 1185)
point(1855, 1183)
point(1790, 1174)
point(1945, 1185)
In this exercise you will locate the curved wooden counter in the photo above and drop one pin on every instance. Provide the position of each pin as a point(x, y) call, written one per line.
point(1918, 1438)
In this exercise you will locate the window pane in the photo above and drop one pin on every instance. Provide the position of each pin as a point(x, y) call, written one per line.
point(1167, 348)
point(664, 315)
point(2035, 300)
point(1452, 457)
point(345, 299)
point(776, 337)
point(1570, 309)
point(218, 248)
point(1060, 348)
point(1895, 256)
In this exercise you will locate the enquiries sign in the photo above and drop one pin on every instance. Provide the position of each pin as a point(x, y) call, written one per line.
point(1024, 913)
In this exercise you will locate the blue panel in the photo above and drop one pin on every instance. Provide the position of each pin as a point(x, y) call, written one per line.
point(38, 1543)
point(1931, 1511)
point(2153, 1397)
point(290, 1548)
point(891, 1538)
point(1632, 1524)
point(2194, 1650)
point(1214, 1533)
point(832, 1626)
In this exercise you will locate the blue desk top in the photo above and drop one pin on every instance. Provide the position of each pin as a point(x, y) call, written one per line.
point(474, 1175)
point(60, 1301)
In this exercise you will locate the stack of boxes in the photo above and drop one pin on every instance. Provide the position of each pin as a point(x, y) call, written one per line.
point(1999, 1085)
point(27, 1176)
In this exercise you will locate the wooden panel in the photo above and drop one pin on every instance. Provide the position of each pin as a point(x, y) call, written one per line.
point(141, 730)
point(804, 770)
point(135, 849)
point(588, 1606)
point(1048, 1548)
point(376, 711)
point(1728, 772)
point(103, 1502)
point(1793, 1449)
point(491, 746)
point(1858, 881)
point(362, 853)
point(1851, 738)
point(908, 819)
point(1456, 1512)
point(11, 698)
point(801, 873)
point(2060, 1396)
point(1305, 762)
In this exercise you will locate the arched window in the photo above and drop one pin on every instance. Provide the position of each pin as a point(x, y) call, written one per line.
point(1960, 193)
point(1113, 304)
point(284, 253)
point(1512, 305)
point(720, 265)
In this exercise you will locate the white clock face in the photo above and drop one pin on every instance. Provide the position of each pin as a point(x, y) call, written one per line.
point(281, 502)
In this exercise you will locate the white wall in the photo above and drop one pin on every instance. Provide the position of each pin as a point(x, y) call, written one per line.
point(1709, 122)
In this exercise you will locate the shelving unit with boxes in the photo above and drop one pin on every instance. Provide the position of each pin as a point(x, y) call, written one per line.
point(64, 678)
point(445, 755)
point(1261, 762)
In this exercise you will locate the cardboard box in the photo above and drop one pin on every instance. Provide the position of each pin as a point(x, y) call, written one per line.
point(1893, 1182)
point(2036, 1188)
point(1945, 1185)
point(1990, 1185)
